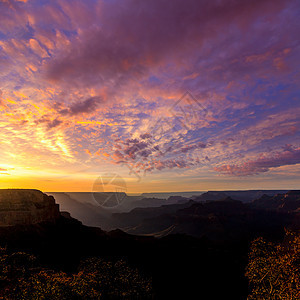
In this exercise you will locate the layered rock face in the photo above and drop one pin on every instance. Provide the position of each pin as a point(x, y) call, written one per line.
point(288, 202)
point(25, 207)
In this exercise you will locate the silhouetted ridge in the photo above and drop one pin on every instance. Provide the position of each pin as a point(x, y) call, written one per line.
point(244, 196)
point(287, 202)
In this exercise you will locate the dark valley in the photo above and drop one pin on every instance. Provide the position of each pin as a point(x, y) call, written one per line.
point(185, 249)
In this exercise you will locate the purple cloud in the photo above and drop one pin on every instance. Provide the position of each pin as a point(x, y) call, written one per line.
point(198, 145)
point(290, 156)
point(48, 122)
point(1, 99)
point(119, 51)
point(145, 136)
point(136, 148)
point(54, 123)
point(86, 106)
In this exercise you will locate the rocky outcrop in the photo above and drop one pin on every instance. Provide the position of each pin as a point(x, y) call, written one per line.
point(288, 202)
point(25, 207)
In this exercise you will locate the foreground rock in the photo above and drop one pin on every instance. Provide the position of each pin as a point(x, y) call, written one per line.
point(25, 207)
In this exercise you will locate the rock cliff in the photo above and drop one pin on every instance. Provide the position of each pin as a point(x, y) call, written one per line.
point(25, 207)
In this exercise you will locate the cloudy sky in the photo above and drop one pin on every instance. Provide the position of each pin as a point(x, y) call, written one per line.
point(170, 95)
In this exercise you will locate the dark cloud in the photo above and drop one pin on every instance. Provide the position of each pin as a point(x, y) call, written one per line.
point(187, 148)
point(137, 35)
point(118, 154)
point(145, 136)
point(170, 164)
point(145, 155)
point(48, 122)
point(289, 156)
point(130, 141)
point(1, 99)
point(54, 123)
point(137, 148)
point(86, 106)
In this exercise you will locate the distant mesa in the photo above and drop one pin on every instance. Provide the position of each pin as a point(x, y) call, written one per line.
point(25, 207)
point(244, 196)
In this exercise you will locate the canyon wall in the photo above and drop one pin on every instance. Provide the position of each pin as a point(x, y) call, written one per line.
point(25, 207)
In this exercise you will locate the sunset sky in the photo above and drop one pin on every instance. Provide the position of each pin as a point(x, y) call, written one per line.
point(170, 95)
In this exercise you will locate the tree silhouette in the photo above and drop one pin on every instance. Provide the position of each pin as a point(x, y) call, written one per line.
point(22, 278)
point(273, 269)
